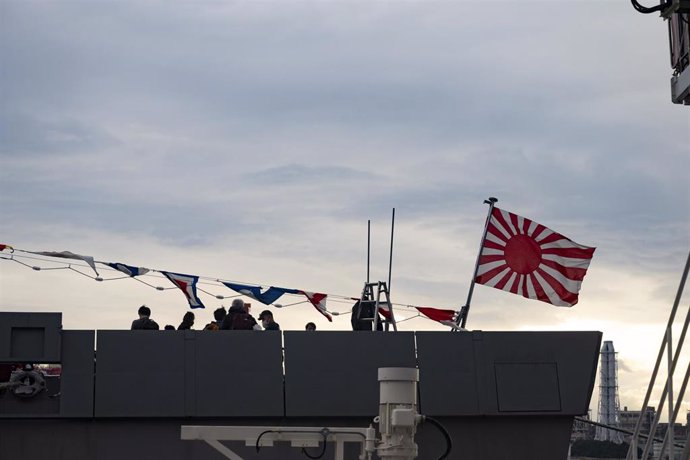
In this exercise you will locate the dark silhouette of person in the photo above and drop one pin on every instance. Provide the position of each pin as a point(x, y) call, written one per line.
point(219, 315)
point(310, 327)
point(266, 318)
point(187, 321)
point(362, 317)
point(248, 309)
point(144, 322)
point(169, 327)
point(238, 318)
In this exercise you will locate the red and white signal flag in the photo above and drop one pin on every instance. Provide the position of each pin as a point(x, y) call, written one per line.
point(526, 258)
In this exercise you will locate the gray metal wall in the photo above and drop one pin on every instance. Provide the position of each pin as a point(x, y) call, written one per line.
point(506, 373)
point(30, 337)
point(486, 387)
point(474, 438)
point(335, 373)
point(189, 374)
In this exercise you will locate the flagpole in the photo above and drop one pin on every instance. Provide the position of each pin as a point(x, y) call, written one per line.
point(390, 260)
point(465, 310)
point(390, 270)
point(368, 246)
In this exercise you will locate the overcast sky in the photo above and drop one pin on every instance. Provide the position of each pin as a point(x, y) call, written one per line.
point(252, 141)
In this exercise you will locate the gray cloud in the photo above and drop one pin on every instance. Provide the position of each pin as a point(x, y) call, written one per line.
point(301, 174)
point(284, 127)
point(22, 134)
point(255, 139)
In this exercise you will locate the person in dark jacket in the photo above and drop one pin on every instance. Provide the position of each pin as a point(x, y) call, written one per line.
point(187, 321)
point(266, 318)
point(362, 316)
point(219, 315)
point(238, 318)
point(144, 322)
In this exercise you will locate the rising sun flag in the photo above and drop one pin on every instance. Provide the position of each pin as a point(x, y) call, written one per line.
point(523, 257)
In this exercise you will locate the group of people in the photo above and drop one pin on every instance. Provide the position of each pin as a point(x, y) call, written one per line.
point(237, 317)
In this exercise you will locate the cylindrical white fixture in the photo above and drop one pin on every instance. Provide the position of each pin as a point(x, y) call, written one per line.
point(398, 415)
point(398, 385)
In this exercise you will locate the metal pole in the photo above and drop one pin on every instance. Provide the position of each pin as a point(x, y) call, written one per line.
point(683, 387)
point(669, 385)
point(390, 270)
point(491, 201)
point(390, 260)
point(368, 246)
point(662, 401)
point(679, 347)
point(671, 318)
point(685, 455)
point(376, 306)
point(616, 429)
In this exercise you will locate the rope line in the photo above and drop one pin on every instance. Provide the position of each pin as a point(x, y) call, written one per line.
point(203, 280)
point(295, 303)
point(81, 273)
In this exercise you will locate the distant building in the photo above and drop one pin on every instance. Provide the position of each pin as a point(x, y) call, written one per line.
point(586, 432)
point(582, 430)
point(680, 434)
point(628, 420)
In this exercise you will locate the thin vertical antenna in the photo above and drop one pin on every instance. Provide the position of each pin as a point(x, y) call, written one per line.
point(465, 311)
point(368, 246)
point(390, 261)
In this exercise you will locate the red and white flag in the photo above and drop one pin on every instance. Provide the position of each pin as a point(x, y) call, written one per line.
point(318, 300)
point(445, 317)
point(526, 258)
point(186, 284)
point(385, 310)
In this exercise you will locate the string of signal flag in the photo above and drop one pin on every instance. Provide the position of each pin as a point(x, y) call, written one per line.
point(190, 285)
point(516, 254)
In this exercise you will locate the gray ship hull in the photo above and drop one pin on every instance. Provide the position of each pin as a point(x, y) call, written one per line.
point(501, 395)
